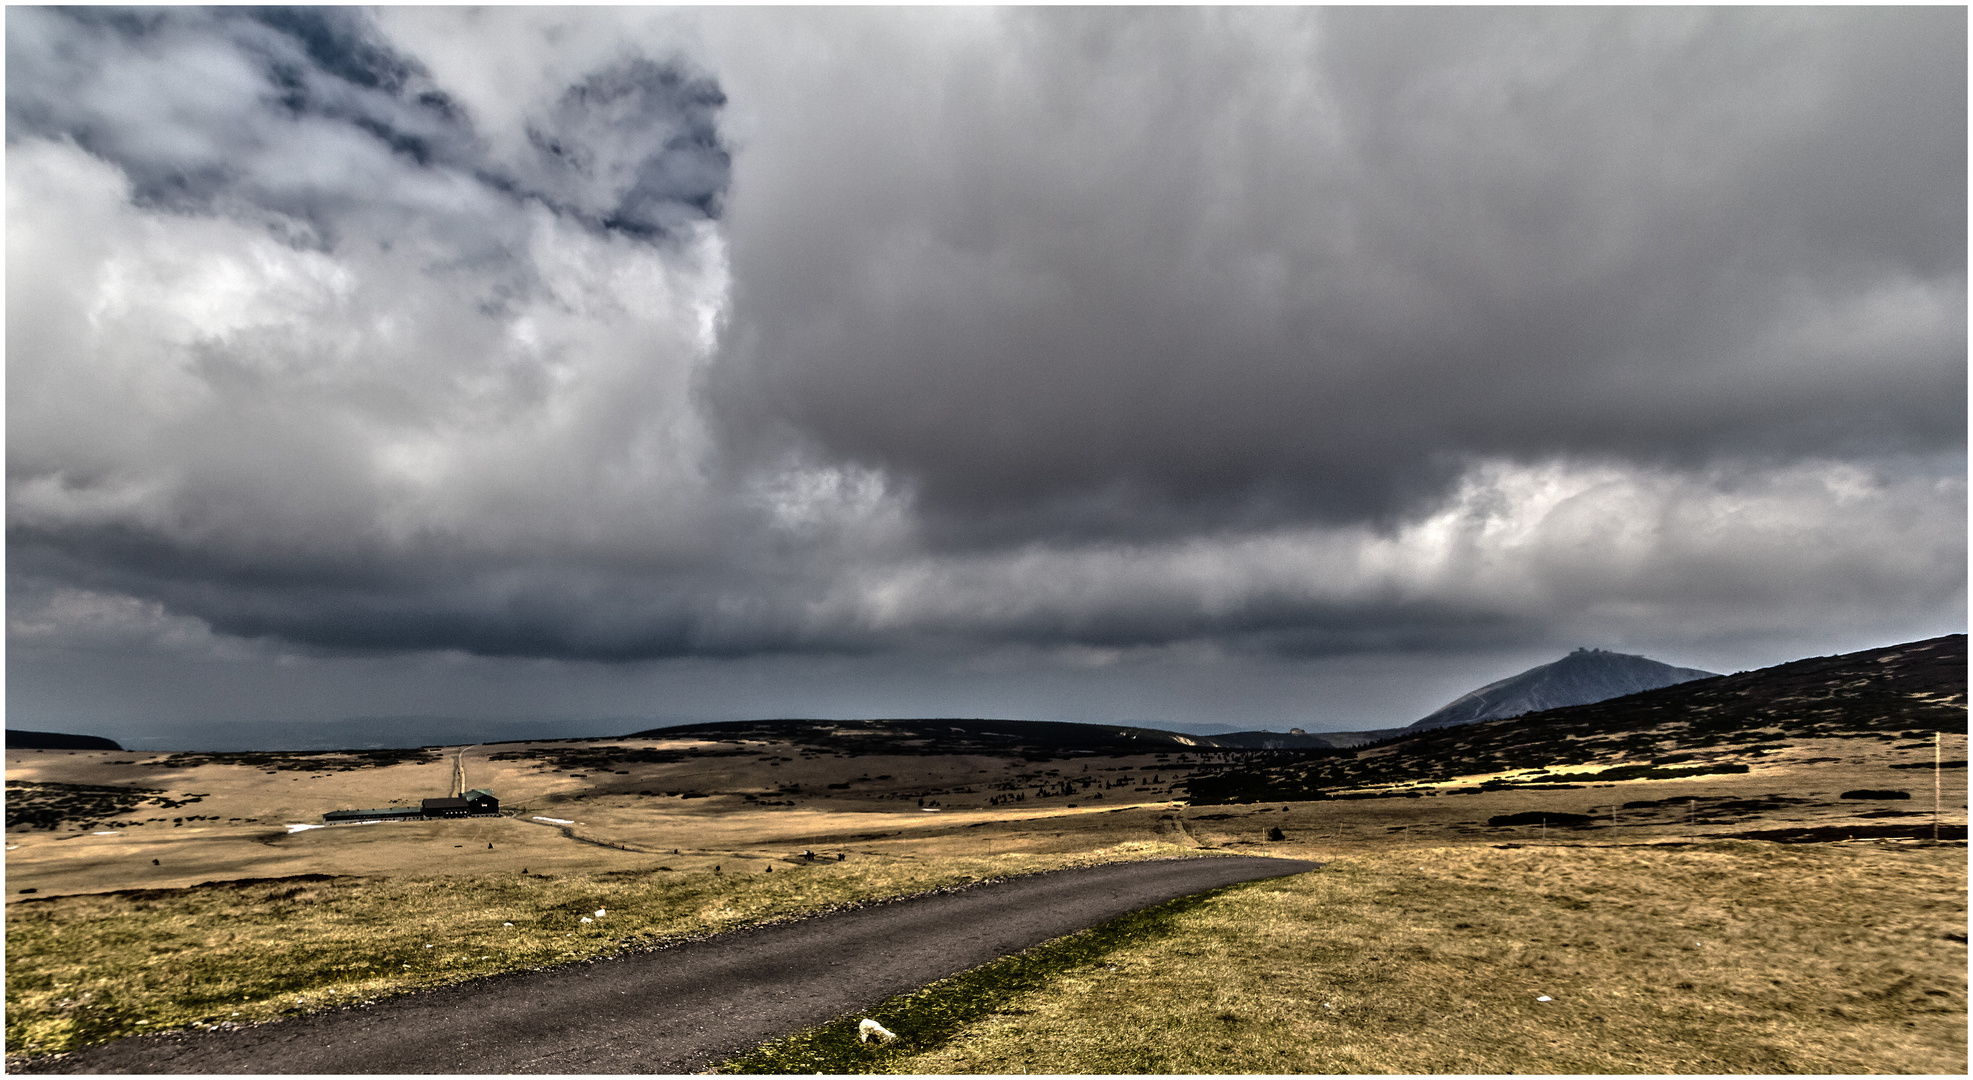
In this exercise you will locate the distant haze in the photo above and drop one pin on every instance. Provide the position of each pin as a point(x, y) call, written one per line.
point(1259, 367)
point(362, 733)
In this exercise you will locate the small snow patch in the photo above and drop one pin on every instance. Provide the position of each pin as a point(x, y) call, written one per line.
point(112, 833)
point(293, 829)
point(870, 1030)
point(1544, 997)
point(555, 820)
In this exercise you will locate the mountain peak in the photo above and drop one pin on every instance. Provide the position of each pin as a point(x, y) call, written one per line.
point(1583, 677)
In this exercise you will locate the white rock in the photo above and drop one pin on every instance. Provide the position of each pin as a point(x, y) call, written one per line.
point(870, 1029)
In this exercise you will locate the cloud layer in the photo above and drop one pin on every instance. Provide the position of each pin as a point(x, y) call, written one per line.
point(1110, 273)
point(1085, 336)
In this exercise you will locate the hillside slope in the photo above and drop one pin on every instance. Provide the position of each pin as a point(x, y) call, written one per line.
point(54, 740)
point(1583, 677)
point(1900, 691)
point(943, 736)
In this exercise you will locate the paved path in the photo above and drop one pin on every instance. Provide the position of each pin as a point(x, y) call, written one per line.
point(679, 1010)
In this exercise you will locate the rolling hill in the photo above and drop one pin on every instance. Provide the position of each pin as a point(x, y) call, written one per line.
point(1888, 694)
point(1583, 677)
point(944, 736)
point(53, 740)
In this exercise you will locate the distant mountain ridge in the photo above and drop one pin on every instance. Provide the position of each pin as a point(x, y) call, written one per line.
point(943, 735)
point(1583, 677)
point(55, 740)
point(1886, 694)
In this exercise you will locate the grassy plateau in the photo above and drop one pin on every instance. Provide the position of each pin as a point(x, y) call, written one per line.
point(1733, 882)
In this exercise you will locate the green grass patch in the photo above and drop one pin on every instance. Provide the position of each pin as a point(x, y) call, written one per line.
point(925, 1018)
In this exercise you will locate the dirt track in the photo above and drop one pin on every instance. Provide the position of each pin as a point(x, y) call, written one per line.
point(681, 1009)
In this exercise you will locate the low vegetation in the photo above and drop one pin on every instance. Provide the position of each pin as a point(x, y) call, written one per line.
point(310, 761)
point(1037, 740)
point(1724, 957)
point(90, 968)
point(603, 755)
point(50, 806)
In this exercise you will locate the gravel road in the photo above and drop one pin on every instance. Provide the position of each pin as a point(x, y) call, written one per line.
point(680, 1009)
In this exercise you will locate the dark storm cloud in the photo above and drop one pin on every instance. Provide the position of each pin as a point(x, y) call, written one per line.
point(612, 110)
point(1130, 271)
point(483, 607)
point(1078, 337)
point(633, 147)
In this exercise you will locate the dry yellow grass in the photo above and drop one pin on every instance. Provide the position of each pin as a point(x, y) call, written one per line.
point(86, 969)
point(1378, 938)
point(241, 824)
point(1729, 957)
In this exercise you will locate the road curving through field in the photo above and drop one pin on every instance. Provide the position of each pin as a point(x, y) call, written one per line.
point(683, 1008)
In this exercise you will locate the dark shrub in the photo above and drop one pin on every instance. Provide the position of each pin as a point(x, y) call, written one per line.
point(1536, 817)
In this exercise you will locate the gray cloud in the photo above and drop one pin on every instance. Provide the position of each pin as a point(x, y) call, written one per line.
point(1100, 270)
point(1062, 342)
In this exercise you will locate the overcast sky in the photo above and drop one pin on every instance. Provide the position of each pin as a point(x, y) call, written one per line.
point(1263, 367)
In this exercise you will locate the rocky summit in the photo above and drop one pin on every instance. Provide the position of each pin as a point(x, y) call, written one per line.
point(1583, 677)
